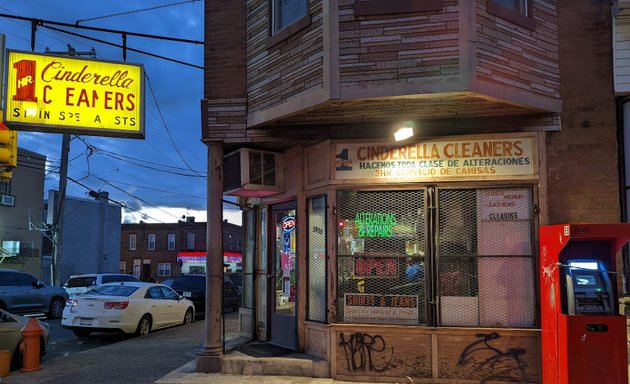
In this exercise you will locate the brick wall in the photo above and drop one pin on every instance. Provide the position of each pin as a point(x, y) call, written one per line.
point(514, 56)
point(225, 49)
point(286, 69)
point(582, 158)
point(388, 49)
point(223, 110)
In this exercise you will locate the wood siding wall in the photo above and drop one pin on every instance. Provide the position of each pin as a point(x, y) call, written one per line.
point(512, 56)
point(287, 69)
point(425, 355)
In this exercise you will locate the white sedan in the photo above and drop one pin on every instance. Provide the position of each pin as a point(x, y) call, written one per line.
point(129, 307)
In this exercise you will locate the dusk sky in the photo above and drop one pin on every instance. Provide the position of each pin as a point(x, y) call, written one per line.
point(162, 177)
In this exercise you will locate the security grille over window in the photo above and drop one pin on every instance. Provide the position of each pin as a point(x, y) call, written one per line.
point(474, 254)
point(237, 279)
point(381, 257)
point(484, 258)
point(317, 259)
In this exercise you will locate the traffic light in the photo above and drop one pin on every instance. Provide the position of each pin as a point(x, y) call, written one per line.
point(8, 150)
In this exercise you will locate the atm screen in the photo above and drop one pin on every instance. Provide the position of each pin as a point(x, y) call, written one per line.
point(585, 280)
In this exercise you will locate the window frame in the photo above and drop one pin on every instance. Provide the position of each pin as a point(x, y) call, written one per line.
point(517, 17)
point(161, 267)
point(151, 241)
point(190, 241)
point(171, 241)
point(133, 241)
point(276, 36)
point(384, 7)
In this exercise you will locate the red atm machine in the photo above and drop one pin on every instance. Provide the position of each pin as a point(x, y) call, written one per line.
point(583, 335)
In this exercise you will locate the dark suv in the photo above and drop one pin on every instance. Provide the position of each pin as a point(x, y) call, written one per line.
point(193, 287)
point(21, 292)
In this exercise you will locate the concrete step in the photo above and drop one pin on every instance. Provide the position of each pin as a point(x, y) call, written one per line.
point(237, 363)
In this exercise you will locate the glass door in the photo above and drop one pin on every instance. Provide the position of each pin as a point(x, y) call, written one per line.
point(283, 276)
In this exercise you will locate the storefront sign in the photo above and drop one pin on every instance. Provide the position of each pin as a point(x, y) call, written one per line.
point(504, 204)
point(471, 159)
point(391, 309)
point(376, 267)
point(288, 223)
point(375, 224)
point(62, 94)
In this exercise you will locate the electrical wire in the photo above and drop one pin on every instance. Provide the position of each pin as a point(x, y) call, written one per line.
point(157, 105)
point(29, 28)
point(154, 189)
point(136, 11)
point(121, 46)
point(125, 206)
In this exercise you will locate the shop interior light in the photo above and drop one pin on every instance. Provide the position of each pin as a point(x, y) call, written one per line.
point(403, 133)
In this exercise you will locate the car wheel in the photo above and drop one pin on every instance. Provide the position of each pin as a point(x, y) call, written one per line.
point(189, 317)
point(16, 360)
point(56, 308)
point(144, 326)
point(81, 332)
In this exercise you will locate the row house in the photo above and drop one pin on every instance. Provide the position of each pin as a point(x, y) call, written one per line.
point(160, 251)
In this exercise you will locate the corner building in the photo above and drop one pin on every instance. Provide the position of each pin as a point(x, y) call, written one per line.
point(416, 258)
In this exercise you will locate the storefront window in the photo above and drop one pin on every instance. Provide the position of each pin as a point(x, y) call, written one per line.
point(485, 257)
point(474, 250)
point(381, 257)
point(317, 259)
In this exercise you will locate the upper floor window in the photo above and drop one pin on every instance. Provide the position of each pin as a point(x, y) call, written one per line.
point(191, 241)
point(287, 12)
point(519, 6)
point(151, 242)
point(171, 241)
point(132, 242)
point(517, 11)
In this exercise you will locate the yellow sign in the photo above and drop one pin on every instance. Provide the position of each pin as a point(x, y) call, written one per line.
point(60, 94)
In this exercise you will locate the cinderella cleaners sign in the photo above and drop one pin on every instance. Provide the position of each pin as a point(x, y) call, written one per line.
point(459, 157)
point(68, 95)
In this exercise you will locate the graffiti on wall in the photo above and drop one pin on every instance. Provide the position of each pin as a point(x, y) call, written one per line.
point(363, 350)
point(492, 363)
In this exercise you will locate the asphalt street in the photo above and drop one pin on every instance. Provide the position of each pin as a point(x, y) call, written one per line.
point(139, 360)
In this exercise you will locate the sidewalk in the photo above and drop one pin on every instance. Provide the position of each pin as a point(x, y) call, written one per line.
point(187, 375)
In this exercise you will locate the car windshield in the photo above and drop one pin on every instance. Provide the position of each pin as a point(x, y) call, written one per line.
point(75, 282)
point(113, 290)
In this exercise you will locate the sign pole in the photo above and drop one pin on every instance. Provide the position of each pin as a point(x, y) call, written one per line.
point(58, 224)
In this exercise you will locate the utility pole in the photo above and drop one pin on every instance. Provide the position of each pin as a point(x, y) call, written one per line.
point(63, 180)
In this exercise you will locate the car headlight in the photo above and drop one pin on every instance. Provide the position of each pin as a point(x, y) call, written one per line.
point(72, 303)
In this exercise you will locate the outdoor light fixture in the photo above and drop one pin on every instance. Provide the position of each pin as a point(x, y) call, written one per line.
point(403, 133)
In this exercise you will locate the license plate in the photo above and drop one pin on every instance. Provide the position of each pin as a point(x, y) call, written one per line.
point(85, 322)
point(187, 294)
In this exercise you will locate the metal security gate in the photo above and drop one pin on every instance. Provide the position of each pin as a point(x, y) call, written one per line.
point(436, 256)
point(238, 263)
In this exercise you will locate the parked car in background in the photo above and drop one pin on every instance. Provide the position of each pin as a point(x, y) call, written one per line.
point(78, 284)
point(129, 307)
point(21, 292)
point(11, 337)
point(193, 287)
